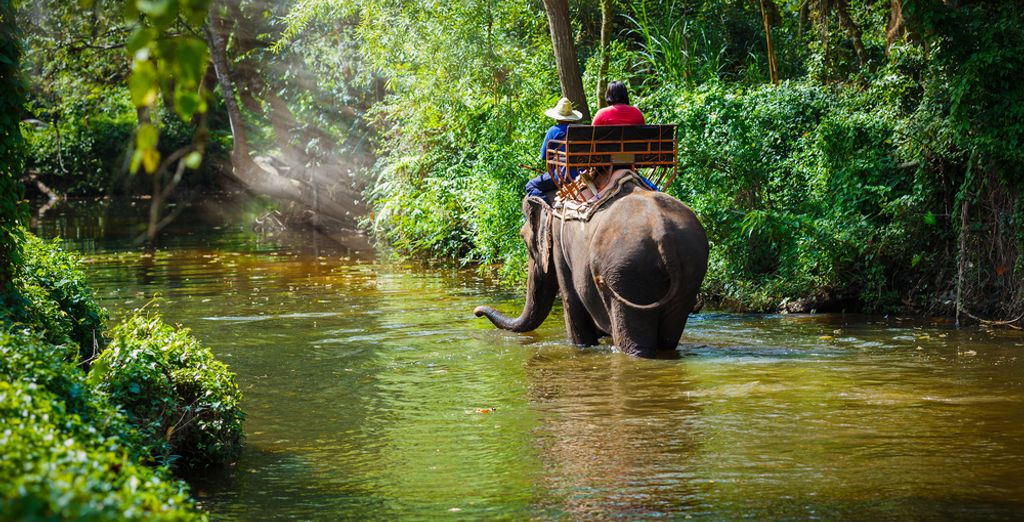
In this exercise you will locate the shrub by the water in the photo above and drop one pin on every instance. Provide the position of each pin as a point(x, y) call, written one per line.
point(183, 401)
point(69, 449)
point(800, 192)
point(68, 453)
point(83, 147)
point(52, 297)
point(28, 358)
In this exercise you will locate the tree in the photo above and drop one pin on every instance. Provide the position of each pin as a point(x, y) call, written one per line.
point(308, 169)
point(10, 142)
point(565, 54)
point(168, 67)
point(773, 66)
point(607, 12)
point(823, 9)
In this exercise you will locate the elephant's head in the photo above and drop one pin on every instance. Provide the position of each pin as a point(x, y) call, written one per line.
point(542, 284)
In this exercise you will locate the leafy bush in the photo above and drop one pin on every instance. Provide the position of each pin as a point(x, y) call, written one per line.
point(50, 296)
point(800, 192)
point(82, 146)
point(49, 472)
point(83, 143)
point(68, 453)
point(182, 400)
point(28, 358)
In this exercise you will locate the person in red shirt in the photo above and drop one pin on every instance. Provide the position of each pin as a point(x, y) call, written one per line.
point(618, 111)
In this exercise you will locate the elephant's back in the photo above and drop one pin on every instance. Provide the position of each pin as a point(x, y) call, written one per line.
point(640, 215)
point(643, 241)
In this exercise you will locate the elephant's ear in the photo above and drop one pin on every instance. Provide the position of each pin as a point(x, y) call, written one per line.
point(538, 216)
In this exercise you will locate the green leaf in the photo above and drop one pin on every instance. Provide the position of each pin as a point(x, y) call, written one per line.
point(150, 160)
point(146, 136)
point(136, 161)
point(192, 56)
point(143, 83)
point(97, 371)
point(929, 219)
point(193, 160)
point(154, 7)
point(187, 103)
point(139, 39)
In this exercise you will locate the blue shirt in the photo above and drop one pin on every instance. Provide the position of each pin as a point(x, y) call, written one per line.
point(556, 132)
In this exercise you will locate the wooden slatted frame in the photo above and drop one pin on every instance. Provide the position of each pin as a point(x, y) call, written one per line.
point(590, 147)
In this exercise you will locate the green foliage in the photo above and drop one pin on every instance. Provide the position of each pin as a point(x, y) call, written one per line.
point(84, 144)
point(182, 400)
point(11, 208)
point(50, 296)
point(464, 114)
point(172, 66)
point(68, 454)
point(49, 474)
point(851, 186)
point(30, 359)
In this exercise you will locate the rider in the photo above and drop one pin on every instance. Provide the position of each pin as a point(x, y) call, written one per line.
point(620, 112)
point(563, 115)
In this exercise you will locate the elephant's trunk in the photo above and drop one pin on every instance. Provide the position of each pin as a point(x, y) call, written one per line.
point(542, 287)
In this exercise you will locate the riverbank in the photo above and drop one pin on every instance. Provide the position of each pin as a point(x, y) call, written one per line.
point(99, 417)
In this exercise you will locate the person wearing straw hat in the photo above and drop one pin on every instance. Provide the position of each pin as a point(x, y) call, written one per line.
point(563, 114)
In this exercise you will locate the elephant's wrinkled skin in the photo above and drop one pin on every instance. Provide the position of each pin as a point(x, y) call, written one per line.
point(632, 271)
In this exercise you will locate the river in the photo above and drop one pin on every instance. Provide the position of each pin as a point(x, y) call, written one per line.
point(372, 392)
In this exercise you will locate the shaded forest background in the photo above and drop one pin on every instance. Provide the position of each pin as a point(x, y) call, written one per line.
point(842, 154)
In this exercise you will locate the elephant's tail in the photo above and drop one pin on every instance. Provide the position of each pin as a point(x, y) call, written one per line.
point(673, 288)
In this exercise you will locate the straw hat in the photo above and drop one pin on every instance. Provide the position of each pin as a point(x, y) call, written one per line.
point(562, 111)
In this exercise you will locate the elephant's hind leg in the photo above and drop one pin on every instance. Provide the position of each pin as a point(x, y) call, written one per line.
point(634, 332)
point(672, 323)
point(669, 331)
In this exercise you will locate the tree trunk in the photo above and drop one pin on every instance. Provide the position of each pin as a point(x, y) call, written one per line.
point(773, 66)
point(804, 17)
point(256, 177)
point(843, 10)
point(897, 28)
point(218, 54)
point(606, 37)
point(565, 55)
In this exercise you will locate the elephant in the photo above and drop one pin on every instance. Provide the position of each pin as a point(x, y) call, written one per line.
point(630, 268)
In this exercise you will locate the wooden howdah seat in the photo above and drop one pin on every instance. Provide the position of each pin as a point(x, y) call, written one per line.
point(593, 151)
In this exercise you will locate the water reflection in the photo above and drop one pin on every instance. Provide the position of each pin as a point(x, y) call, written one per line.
point(614, 445)
point(365, 383)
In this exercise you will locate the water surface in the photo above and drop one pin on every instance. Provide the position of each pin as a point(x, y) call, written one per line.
point(369, 388)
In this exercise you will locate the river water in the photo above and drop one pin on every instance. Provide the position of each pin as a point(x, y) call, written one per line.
point(373, 393)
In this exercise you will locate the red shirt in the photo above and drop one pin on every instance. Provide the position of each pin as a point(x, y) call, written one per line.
point(619, 114)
